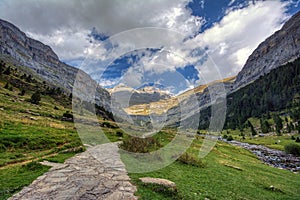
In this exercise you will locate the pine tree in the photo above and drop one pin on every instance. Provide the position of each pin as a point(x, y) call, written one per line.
point(264, 125)
point(278, 123)
point(253, 131)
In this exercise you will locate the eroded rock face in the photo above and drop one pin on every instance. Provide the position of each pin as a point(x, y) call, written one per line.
point(24, 51)
point(280, 48)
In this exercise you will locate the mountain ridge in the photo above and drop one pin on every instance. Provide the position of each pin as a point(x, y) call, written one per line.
point(281, 47)
point(43, 61)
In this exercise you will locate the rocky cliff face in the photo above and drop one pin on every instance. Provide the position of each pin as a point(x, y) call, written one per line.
point(27, 52)
point(280, 48)
point(129, 96)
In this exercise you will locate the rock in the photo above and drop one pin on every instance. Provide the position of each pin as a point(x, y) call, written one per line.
point(66, 119)
point(280, 48)
point(272, 157)
point(159, 181)
point(138, 96)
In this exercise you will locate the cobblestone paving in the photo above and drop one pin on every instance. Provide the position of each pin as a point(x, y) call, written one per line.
point(97, 173)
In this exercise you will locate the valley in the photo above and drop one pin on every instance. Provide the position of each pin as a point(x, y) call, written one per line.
point(45, 121)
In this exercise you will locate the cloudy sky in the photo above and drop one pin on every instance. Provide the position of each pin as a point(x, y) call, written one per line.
point(176, 43)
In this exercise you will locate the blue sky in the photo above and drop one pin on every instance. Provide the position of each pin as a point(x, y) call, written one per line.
point(226, 30)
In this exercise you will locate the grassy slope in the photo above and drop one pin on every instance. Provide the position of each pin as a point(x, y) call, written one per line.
point(30, 133)
point(26, 136)
point(272, 141)
point(230, 173)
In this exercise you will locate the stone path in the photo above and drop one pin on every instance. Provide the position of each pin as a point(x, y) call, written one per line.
point(97, 173)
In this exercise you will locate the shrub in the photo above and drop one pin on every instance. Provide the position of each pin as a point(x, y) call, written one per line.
point(292, 149)
point(6, 86)
point(68, 114)
point(22, 93)
point(108, 125)
point(298, 139)
point(189, 159)
point(32, 166)
point(293, 137)
point(140, 145)
point(35, 98)
point(119, 134)
point(229, 138)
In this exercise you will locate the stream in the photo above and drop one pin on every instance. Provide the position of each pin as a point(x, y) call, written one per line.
point(271, 157)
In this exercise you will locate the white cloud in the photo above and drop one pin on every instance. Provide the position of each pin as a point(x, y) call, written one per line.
point(202, 3)
point(67, 43)
point(236, 36)
point(231, 2)
point(64, 25)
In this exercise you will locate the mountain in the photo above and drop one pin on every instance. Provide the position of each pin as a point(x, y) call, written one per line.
point(40, 60)
point(172, 105)
point(277, 91)
point(126, 95)
point(281, 47)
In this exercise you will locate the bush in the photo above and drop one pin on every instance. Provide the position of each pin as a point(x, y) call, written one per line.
point(292, 149)
point(229, 138)
point(68, 114)
point(22, 93)
point(293, 137)
point(108, 125)
point(189, 159)
point(35, 98)
point(32, 166)
point(140, 145)
point(298, 139)
point(6, 86)
point(119, 134)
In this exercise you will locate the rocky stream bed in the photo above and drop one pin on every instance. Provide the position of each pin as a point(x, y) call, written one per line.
point(272, 157)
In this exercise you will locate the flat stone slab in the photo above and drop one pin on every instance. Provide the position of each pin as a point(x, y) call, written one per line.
point(159, 181)
point(98, 173)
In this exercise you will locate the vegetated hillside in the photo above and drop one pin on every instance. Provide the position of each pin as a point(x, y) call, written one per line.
point(35, 124)
point(171, 106)
point(20, 50)
point(275, 91)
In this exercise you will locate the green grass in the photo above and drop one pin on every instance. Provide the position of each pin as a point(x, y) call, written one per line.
point(15, 178)
point(29, 133)
point(229, 173)
point(60, 158)
point(274, 142)
point(34, 132)
point(271, 141)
